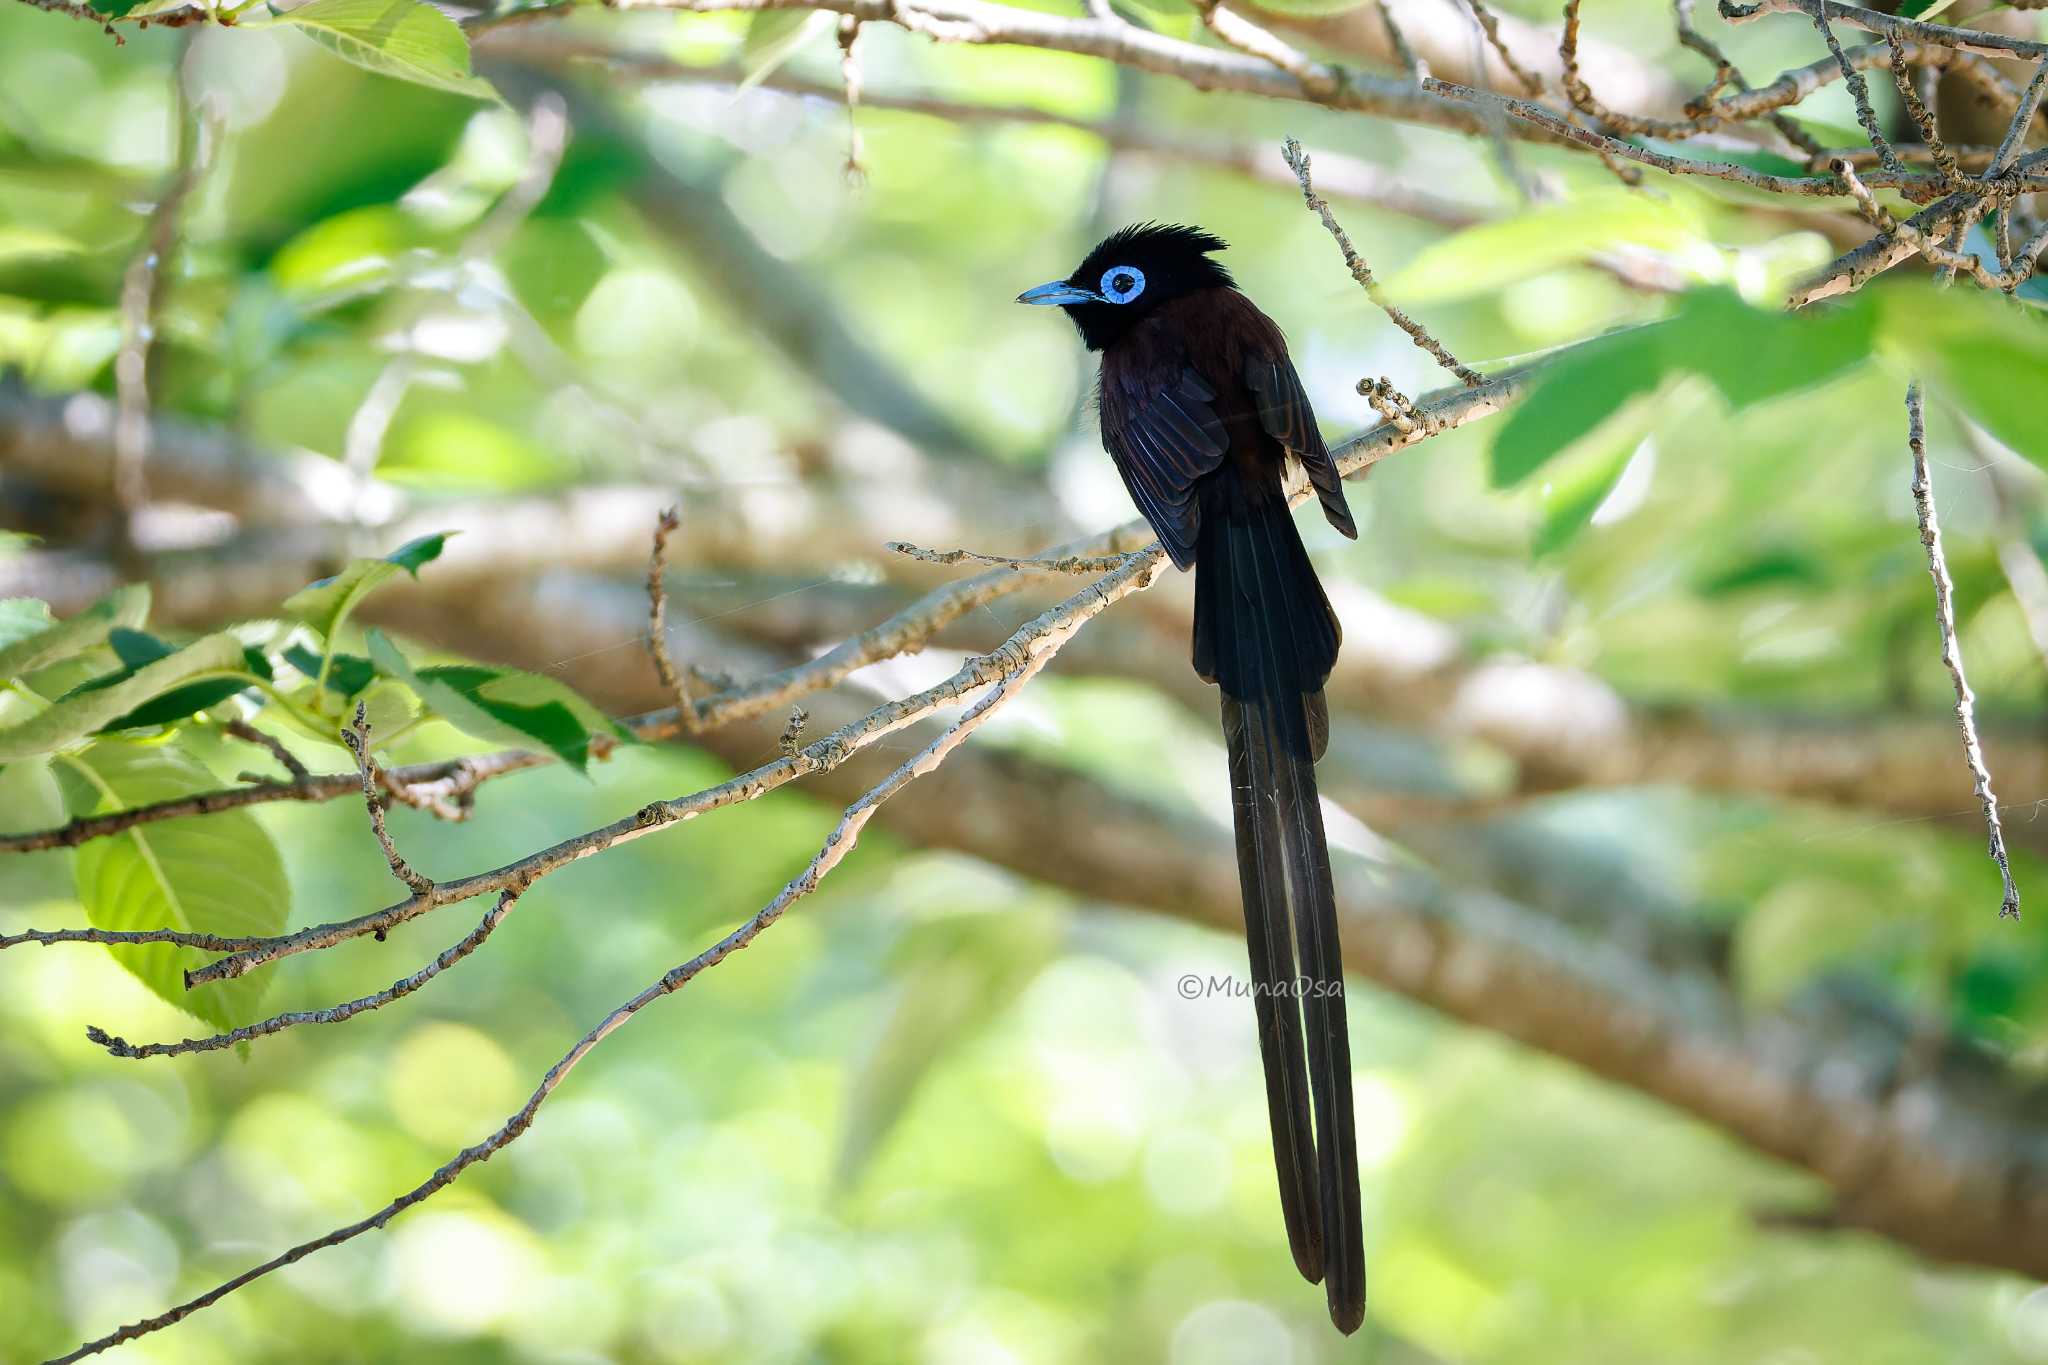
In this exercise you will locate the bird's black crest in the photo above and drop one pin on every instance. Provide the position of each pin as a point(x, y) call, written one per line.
point(1155, 262)
point(1166, 242)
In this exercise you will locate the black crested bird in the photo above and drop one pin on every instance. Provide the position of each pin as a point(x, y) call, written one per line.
point(1200, 409)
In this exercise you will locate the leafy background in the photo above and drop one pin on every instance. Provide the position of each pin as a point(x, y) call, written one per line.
point(942, 1113)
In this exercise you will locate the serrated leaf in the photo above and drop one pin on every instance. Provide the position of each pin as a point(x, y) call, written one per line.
point(407, 39)
point(326, 603)
point(209, 874)
point(125, 607)
point(502, 705)
point(84, 712)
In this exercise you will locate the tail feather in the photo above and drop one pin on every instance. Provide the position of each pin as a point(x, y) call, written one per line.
point(1265, 633)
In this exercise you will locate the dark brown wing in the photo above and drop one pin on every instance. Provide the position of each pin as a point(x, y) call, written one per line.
point(1287, 417)
point(1160, 427)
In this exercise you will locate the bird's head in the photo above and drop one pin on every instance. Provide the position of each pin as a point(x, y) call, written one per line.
point(1129, 274)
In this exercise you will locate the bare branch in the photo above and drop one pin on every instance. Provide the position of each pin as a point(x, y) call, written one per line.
point(142, 291)
point(1913, 239)
point(2022, 119)
point(1398, 40)
point(1871, 21)
point(333, 1014)
point(1951, 648)
point(1859, 91)
point(1065, 564)
point(1020, 666)
point(1361, 272)
point(1922, 116)
point(249, 734)
point(357, 737)
point(1530, 82)
point(657, 622)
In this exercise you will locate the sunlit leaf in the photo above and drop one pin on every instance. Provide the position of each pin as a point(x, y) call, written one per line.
point(137, 650)
point(212, 874)
point(85, 712)
point(21, 617)
point(325, 605)
point(503, 705)
point(1988, 355)
point(25, 653)
point(1481, 259)
point(1577, 487)
point(1749, 354)
point(408, 39)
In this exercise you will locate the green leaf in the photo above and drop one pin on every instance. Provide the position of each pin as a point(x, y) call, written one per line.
point(407, 39)
point(1482, 259)
point(1574, 493)
point(128, 606)
point(1982, 351)
point(347, 674)
point(1577, 392)
point(773, 37)
point(21, 617)
point(29, 797)
point(1773, 566)
point(1748, 354)
point(503, 705)
point(137, 650)
point(325, 604)
point(209, 874)
point(86, 711)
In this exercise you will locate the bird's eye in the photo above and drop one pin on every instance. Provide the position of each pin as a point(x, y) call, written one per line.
point(1121, 284)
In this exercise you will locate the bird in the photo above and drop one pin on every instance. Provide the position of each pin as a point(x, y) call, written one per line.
point(1201, 409)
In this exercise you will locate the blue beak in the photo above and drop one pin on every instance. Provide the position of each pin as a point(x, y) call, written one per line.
point(1061, 293)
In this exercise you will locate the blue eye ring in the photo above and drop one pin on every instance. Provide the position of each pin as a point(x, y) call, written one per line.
point(1122, 283)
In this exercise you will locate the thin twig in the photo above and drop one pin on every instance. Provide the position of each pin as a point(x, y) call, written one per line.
point(1318, 81)
point(249, 734)
point(2022, 119)
point(1062, 564)
point(357, 737)
point(1922, 116)
point(850, 86)
point(1529, 81)
point(1396, 39)
point(657, 622)
point(1970, 40)
point(1361, 272)
point(142, 294)
point(1859, 90)
point(1915, 238)
point(333, 1014)
point(1951, 647)
point(454, 781)
point(1021, 665)
point(792, 737)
